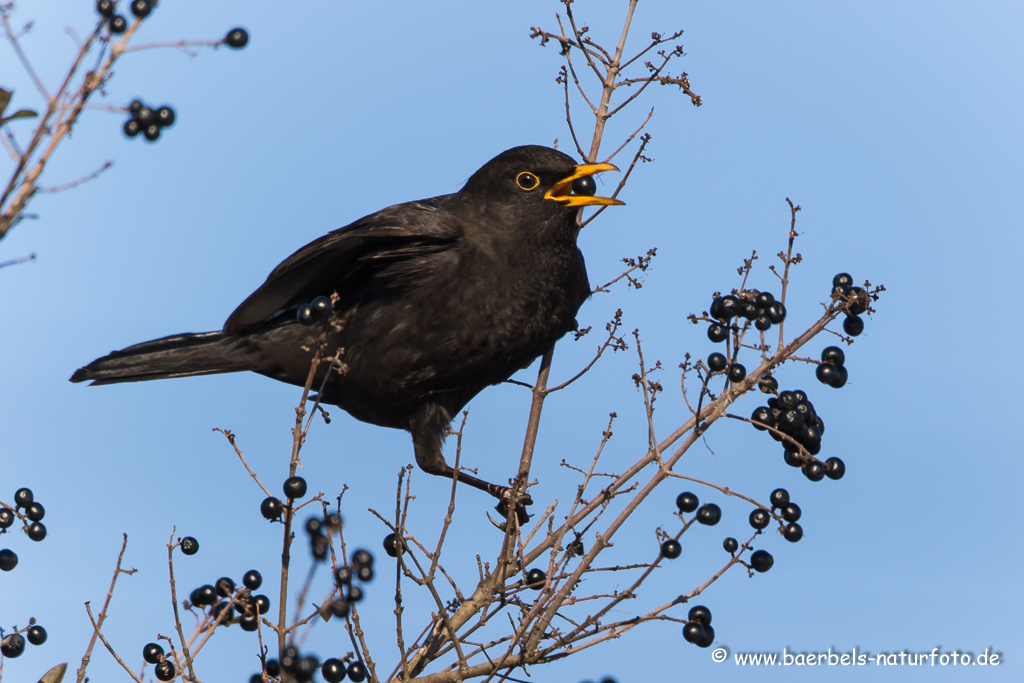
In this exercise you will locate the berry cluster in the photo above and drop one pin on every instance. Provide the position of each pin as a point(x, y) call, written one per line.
point(791, 417)
point(301, 668)
point(709, 514)
point(790, 513)
point(361, 570)
point(319, 530)
point(117, 23)
point(223, 597)
point(762, 309)
point(149, 121)
point(858, 298)
point(164, 668)
point(34, 527)
point(831, 370)
point(318, 310)
point(13, 645)
point(698, 629)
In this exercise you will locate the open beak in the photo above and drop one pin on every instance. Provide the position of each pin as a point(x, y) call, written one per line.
point(563, 190)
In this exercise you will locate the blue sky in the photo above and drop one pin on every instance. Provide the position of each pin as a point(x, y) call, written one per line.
point(896, 127)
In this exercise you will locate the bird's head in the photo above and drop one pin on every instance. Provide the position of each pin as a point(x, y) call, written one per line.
point(537, 181)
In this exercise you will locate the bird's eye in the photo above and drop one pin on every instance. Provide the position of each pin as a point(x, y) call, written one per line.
point(584, 185)
point(527, 181)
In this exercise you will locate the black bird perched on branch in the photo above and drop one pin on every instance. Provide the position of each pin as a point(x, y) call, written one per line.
point(432, 302)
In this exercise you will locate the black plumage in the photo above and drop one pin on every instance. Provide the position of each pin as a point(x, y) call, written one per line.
point(434, 300)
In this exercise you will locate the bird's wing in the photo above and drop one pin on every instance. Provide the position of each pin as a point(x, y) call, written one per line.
point(345, 259)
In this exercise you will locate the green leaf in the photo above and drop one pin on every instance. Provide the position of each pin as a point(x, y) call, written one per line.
point(54, 675)
point(5, 98)
point(23, 114)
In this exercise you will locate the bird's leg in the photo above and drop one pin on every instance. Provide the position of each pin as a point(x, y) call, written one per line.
point(428, 426)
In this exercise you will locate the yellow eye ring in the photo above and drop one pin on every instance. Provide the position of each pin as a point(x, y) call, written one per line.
point(527, 181)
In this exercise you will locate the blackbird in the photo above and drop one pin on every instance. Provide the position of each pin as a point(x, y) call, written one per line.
point(433, 301)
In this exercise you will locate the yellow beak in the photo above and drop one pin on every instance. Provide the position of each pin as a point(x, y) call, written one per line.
point(562, 191)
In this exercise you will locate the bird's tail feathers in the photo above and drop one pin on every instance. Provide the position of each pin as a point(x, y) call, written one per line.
point(180, 355)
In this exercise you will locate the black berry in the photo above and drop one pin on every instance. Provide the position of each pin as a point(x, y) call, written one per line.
point(13, 645)
point(314, 526)
point(768, 384)
point(333, 670)
point(814, 470)
point(841, 377)
point(585, 185)
point(164, 671)
point(249, 622)
point(717, 362)
point(671, 549)
point(826, 373)
point(687, 502)
point(693, 632)
point(700, 614)
point(237, 38)
point(321, 307)
point(35, 512)
point(792, 532)
point(762, 418)
point(320, 547)
point(294, 487)
point(146, 116)
point(225, 587)
point(262, 603)
point(8, 560)
point(340, 607)
point(759, 519)
point(142, 8)
point(37, 531)
point(763, 322)
point(189, 545)
point(343, 576)
point(6, 518)
point(835, 468)
point(364, 573)
point(118, 24)
point(842, 280)
point(535, 579)
point(709, 514)
point(708, 637)
point(224, 612)
point(305, 314)
point(151, 132)
point(860, 301)
point(362, 557)
point(779, 498)
point(204, 595)
point(105, 8)
point(333, 521)
point(134, 106)
point(391, 545)
point(853, 325)
point(731, 545)
point(23, 498)
point(307, 667)
point(131, 128)
point(833, 355)
point(761, 561)
point(718, 333)
point(357, 672)
point(737, 373)
point(152, 653)
point(271, 508)
point(793, 458)
point(165, 116)
point(252, 580)
point(355, 594)
point(791, 512)
point(764, 299)
point(36, 635)
point(776, 312)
